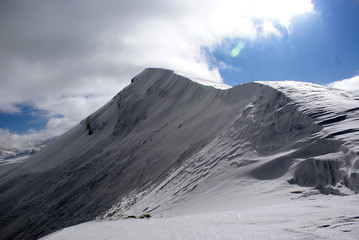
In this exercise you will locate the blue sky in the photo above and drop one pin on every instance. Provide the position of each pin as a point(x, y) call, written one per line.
point(21, 122)
point(62, 60)
point(321, 48)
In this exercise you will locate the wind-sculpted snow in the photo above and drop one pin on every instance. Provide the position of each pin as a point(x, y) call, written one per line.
point(337, 111)
point(168, 146)
point(334, 109)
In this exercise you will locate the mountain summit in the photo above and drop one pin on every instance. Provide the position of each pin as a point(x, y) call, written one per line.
point(167, 146)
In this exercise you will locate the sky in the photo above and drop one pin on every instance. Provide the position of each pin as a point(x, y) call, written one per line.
point(62, 60)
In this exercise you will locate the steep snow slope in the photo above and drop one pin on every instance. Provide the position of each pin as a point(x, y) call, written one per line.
point(168, 146)
point(131, 143)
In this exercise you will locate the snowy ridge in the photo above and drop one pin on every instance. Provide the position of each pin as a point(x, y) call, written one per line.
point(202, 81)
point(13, 155)
point(181, 182)
point(336, 110)
point(193, 189)
point(184, 152)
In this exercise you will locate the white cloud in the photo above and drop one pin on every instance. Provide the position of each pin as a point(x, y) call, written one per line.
point(9, 108)
point(268, 29)
point(27, 140)
point(70, 57)
point(350, 84)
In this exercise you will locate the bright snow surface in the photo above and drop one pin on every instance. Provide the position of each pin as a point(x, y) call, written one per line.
point(315, 217)
point(253, 161)
point(235, 185)
point(337, 110)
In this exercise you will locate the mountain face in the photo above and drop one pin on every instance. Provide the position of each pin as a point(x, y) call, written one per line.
point(165, 143)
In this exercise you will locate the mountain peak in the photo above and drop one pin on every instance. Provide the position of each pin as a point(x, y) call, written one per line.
point(165, 144)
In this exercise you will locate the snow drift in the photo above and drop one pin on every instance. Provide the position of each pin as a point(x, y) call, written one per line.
point(168, 146)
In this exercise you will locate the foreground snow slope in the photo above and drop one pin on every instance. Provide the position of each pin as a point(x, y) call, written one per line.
point(314, 217)
point(170, 147)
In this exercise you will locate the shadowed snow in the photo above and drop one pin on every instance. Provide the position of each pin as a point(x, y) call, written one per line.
point(170, 147)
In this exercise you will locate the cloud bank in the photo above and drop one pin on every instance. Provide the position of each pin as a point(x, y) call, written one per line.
point(350, 84)
point(70, 57)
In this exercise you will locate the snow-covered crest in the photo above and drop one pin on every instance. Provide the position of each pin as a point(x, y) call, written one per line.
point(202, 81)
point(335, 109)
point(169, 147)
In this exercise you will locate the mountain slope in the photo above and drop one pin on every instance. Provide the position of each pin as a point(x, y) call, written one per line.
point(165, 143)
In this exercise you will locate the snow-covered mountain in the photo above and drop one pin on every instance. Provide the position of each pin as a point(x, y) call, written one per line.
point(9, 155)
point(205, 163)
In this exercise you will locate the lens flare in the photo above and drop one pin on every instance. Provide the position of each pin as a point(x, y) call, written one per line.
point(237, 50)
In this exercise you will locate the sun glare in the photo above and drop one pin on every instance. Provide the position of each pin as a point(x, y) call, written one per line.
point(280, 9)
point(236, 51)
point(268, 12)
point(263, 17)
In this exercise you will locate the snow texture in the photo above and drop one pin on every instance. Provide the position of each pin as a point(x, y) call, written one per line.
point(315, 217)
point(205, 163)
